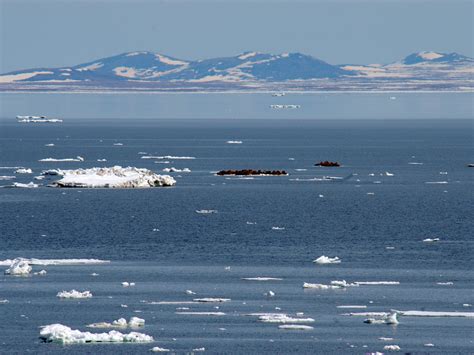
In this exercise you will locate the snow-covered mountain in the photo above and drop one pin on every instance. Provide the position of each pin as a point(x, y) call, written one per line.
point(250, 70)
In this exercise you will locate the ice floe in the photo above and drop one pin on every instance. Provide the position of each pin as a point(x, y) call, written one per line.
point(157, 349)
point(321, 286)
point(190, 292)
point(113, 177)
point(352, 306)
point(59, 333)
point(261, 278)
point(74, 294)
point(275, 228)
point(128, 284)
point(295, 327)
point(206, 211)
point(234, 142)
point(391, 347)
point(176, 170)
point(269, 294)
point(4, 301)
point(30, 185)
point(23, 171)
point(415, 314)
point(449, 283)
point(170, 157)
point(281, 318)
point(78, 158)
point(201, 313)
point(199, 349)
point(436, 182)
point(211, 300)
point(19, 267)
point(327, 260)
point(7, 177)
point(134, 322)
point(46, 262)
point(390, 318)
point(431, 240)
point(40, 273)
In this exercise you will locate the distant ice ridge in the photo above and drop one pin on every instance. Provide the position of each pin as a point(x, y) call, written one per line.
point(113, 177)
point(78, 158)
point(74, 294)
point(415, 314)
point(134, 322)
point(59, 333)
point(45, 262)
point(327, 260)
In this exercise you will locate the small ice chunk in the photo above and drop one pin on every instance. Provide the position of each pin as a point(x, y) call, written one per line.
point(234, 142)
point(74, 294)
point(389, 174)
point(431, 240)
point(30, 185)
point(327, 260)
point(157, 349)
point(49, 145)
point(351, 306)
point(445, 283)
point(23, 171)
point(4, 301)
point(386, 339)
point(41, 273)
point(281, 318)
point(391, 347)
point(321, 286)
point(135, 322)
point(278, 228)
point(428, 345)
point(295, 327)
point(199, 349)
point(206, 211)
point(128, 284)
point(190, 292)
point(211, 300)
point(269, 294)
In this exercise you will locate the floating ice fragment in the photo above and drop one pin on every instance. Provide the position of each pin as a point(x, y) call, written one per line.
point(23, 171)
point(18, 267)
point(199, 349)
point(269, 294)
point(100, 160)
point(78, 158)
point(7, 177)
point(391, 347)
point(30, 185)
point(390, 318)
point(295, 327)
point(41, 273)
point(49, 145)
point(171, 157)
point(278, 228)
point(436, 182)
point(282, 318)
point(4, 301)
point(327, 260)
point(176, 170)
point(321, 286)
point(260, 278)
point(190, 292)
point(134, 322)
point(206, 211)
point(74, 294)
point(210, 299)
point(46, 262)
point(202, 313)
point(352, 306)
point(118, 144)
point(234, 142)
point(428, 345)
point(445, 283)
point(431, 240)
point(59, 333)
point(371, 193)
point(157, 349)
point(389, 174)
point(386, 339)
point(128, 284)
point(467, 305)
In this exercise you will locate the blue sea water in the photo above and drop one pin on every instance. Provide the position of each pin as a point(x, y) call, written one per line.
point(155, 238)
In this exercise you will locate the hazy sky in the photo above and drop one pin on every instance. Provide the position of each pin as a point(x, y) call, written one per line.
point(51, 33)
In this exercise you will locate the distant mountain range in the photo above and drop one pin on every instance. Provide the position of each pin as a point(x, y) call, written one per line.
point(248, 71)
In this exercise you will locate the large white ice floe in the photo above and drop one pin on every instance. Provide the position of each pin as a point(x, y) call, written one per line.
point(23, 171)
point(18, 267)
point(113, 177)
point(59, 333)
point(78, 158)
point(134, 322)
point(295, 327)
point(326, 260)
point(390, 318)
point(74, 294)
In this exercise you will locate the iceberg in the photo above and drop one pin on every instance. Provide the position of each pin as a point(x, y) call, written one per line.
point(59, 333)
point(327, 260)
point(114, 177)
point(74, 294)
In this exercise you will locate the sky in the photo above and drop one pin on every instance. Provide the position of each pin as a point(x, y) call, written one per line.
point(54, 33)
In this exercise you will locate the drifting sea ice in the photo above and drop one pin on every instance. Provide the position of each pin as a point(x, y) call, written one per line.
point(206, 211)
point(59, 333)
point(327, 260)
point(391, 347)
point(234, 142)
point(321, 286)
point(78, 158)
point(211, 300)
point(157, 349)
point(281, 318)
point(74, 294)
point(134, 322)
point(128, 284)
point(19, 267)
point(431, 240)
point(23, 171)
point(176, 170)
point(260, 278)
point(295, 327)
point(46, 262)
point(30, 185)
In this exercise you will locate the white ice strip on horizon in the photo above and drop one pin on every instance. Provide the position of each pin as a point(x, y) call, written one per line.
point(260, 278)
point(278, 228)
point(59, 333)
point(436, 182)
point(176, 170)
point(218, 314)
point(23, 171)
point(170, 157)
point(30, 185)
point(172, 302)
point(416, 314)
point(327, 260)
point(377, 282)
point(134, 322)
point(78, 158)
point(211, 300)
point(46, 262)
point(113, 177)
point(295, 327)
point(74, 294)
point(352, 306)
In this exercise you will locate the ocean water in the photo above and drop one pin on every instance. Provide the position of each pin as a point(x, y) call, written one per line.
point(155, 238)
